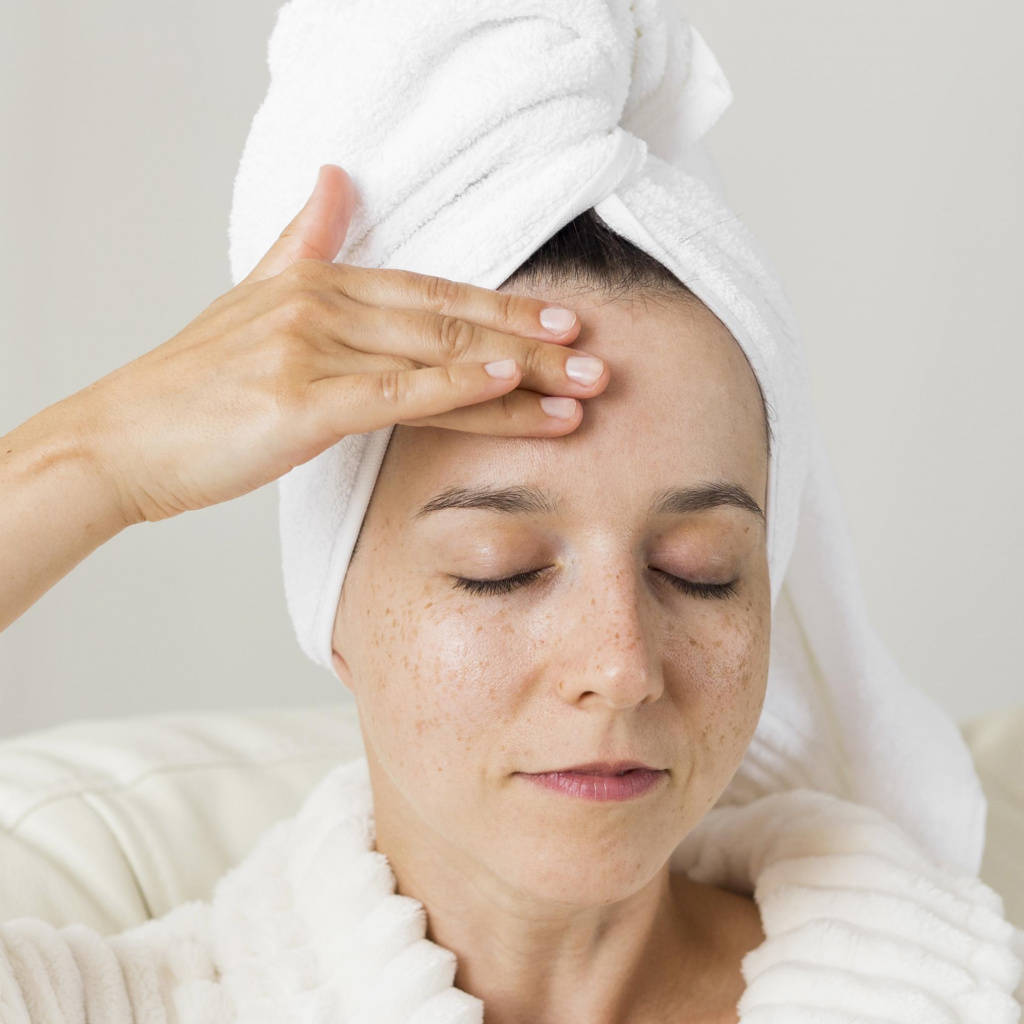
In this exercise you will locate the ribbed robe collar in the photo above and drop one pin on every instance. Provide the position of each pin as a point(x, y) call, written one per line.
point(861, 927)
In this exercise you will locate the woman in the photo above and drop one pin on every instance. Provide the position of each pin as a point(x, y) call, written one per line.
point(527, 596)
point(602, 928)
point(552, 620)
point(555, 893)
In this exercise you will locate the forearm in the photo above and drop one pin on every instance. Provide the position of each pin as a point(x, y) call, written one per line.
point(56, 507)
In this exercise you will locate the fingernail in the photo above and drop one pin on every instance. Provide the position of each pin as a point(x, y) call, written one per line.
point(503, 368)
point(584, 369)
point(562, 408)
point(556, 319)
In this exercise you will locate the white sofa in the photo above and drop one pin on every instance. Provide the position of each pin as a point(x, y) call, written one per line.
point(111, 822)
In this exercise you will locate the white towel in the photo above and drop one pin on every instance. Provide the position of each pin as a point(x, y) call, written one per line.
point(473, 130)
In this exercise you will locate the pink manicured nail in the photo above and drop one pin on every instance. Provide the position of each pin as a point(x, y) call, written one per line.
point(503, 368)
point(556, 319)
point(584, 369)
point(562, 408)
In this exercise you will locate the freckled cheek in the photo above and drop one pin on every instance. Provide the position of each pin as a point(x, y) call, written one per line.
point(444, 677)
point(720, 663)
point(743, 672)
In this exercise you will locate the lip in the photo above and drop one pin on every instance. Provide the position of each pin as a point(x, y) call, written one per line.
point(588, 785)
point(602, 768)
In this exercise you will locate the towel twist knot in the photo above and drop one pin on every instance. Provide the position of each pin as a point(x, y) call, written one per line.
point(456, 103)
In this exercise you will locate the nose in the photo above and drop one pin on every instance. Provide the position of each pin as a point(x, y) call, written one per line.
point(610, 645)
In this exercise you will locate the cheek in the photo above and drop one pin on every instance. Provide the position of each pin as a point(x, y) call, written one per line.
point(719, 665)
point(434, 678)
point(444, 682)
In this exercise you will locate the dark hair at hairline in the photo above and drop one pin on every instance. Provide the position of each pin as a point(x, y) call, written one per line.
point(588, 254)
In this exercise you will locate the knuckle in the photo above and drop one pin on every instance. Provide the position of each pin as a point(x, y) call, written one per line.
point(392, 386)
point(532, 359)
point(278, 358)
point(455, 337)
point(507, 312)
point(345, 276)
point(442, 294)
point(510, 408)
point(453, 382)
point(282, 402)
point(304, 272)
point(299, 309)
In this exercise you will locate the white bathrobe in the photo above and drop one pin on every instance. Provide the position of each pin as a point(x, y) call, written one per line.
point(861, 928)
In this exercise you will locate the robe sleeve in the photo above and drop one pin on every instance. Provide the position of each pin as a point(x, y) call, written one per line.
point(158, 972)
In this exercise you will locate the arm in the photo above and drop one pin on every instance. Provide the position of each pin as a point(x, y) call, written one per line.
point(55, 507)
point(298, 355)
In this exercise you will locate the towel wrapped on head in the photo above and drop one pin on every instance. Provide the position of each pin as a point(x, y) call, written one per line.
point(473, 131)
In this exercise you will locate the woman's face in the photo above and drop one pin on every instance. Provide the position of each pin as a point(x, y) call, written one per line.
point(600, 656)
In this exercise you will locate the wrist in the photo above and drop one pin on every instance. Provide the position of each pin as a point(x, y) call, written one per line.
point(55, 445)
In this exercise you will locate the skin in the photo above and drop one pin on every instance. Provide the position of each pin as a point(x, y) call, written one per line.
point(560, 908)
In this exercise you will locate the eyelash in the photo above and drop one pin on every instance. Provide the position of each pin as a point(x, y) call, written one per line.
point(510, 583)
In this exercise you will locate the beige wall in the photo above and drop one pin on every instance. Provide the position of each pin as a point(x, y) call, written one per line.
point(874, 148)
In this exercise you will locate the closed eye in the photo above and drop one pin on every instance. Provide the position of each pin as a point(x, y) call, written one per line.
point(719, 590)
point(509, 583)
point(501, 586)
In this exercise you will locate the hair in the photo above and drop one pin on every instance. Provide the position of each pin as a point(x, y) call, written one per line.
point(587, 253)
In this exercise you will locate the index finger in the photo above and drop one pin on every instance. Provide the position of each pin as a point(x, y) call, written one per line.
point(500, 311)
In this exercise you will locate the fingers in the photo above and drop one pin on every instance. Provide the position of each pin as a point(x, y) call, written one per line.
point(317, 230)
point(361, 402)
point(435, 339)
point(500, 311)
point(518, 413)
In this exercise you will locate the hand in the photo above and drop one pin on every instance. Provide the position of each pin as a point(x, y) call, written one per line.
point(304, 351)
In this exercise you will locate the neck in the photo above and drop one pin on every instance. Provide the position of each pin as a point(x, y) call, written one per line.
point(535, 959)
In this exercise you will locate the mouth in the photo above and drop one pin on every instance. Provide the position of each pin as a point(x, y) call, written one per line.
point(603, 768)
point(600, 782)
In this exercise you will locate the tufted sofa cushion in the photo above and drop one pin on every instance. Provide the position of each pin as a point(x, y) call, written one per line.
point(111, 822)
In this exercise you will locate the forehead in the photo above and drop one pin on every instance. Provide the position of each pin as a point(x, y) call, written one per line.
point(682, 407)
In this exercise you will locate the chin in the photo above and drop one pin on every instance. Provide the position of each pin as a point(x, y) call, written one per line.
point(567, 868)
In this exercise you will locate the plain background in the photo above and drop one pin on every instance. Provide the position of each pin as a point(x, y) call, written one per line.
point(874, 148)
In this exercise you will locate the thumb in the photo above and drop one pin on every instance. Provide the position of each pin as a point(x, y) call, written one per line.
point(318, 230)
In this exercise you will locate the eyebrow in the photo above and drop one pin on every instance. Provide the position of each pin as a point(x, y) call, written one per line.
point(533, 501)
